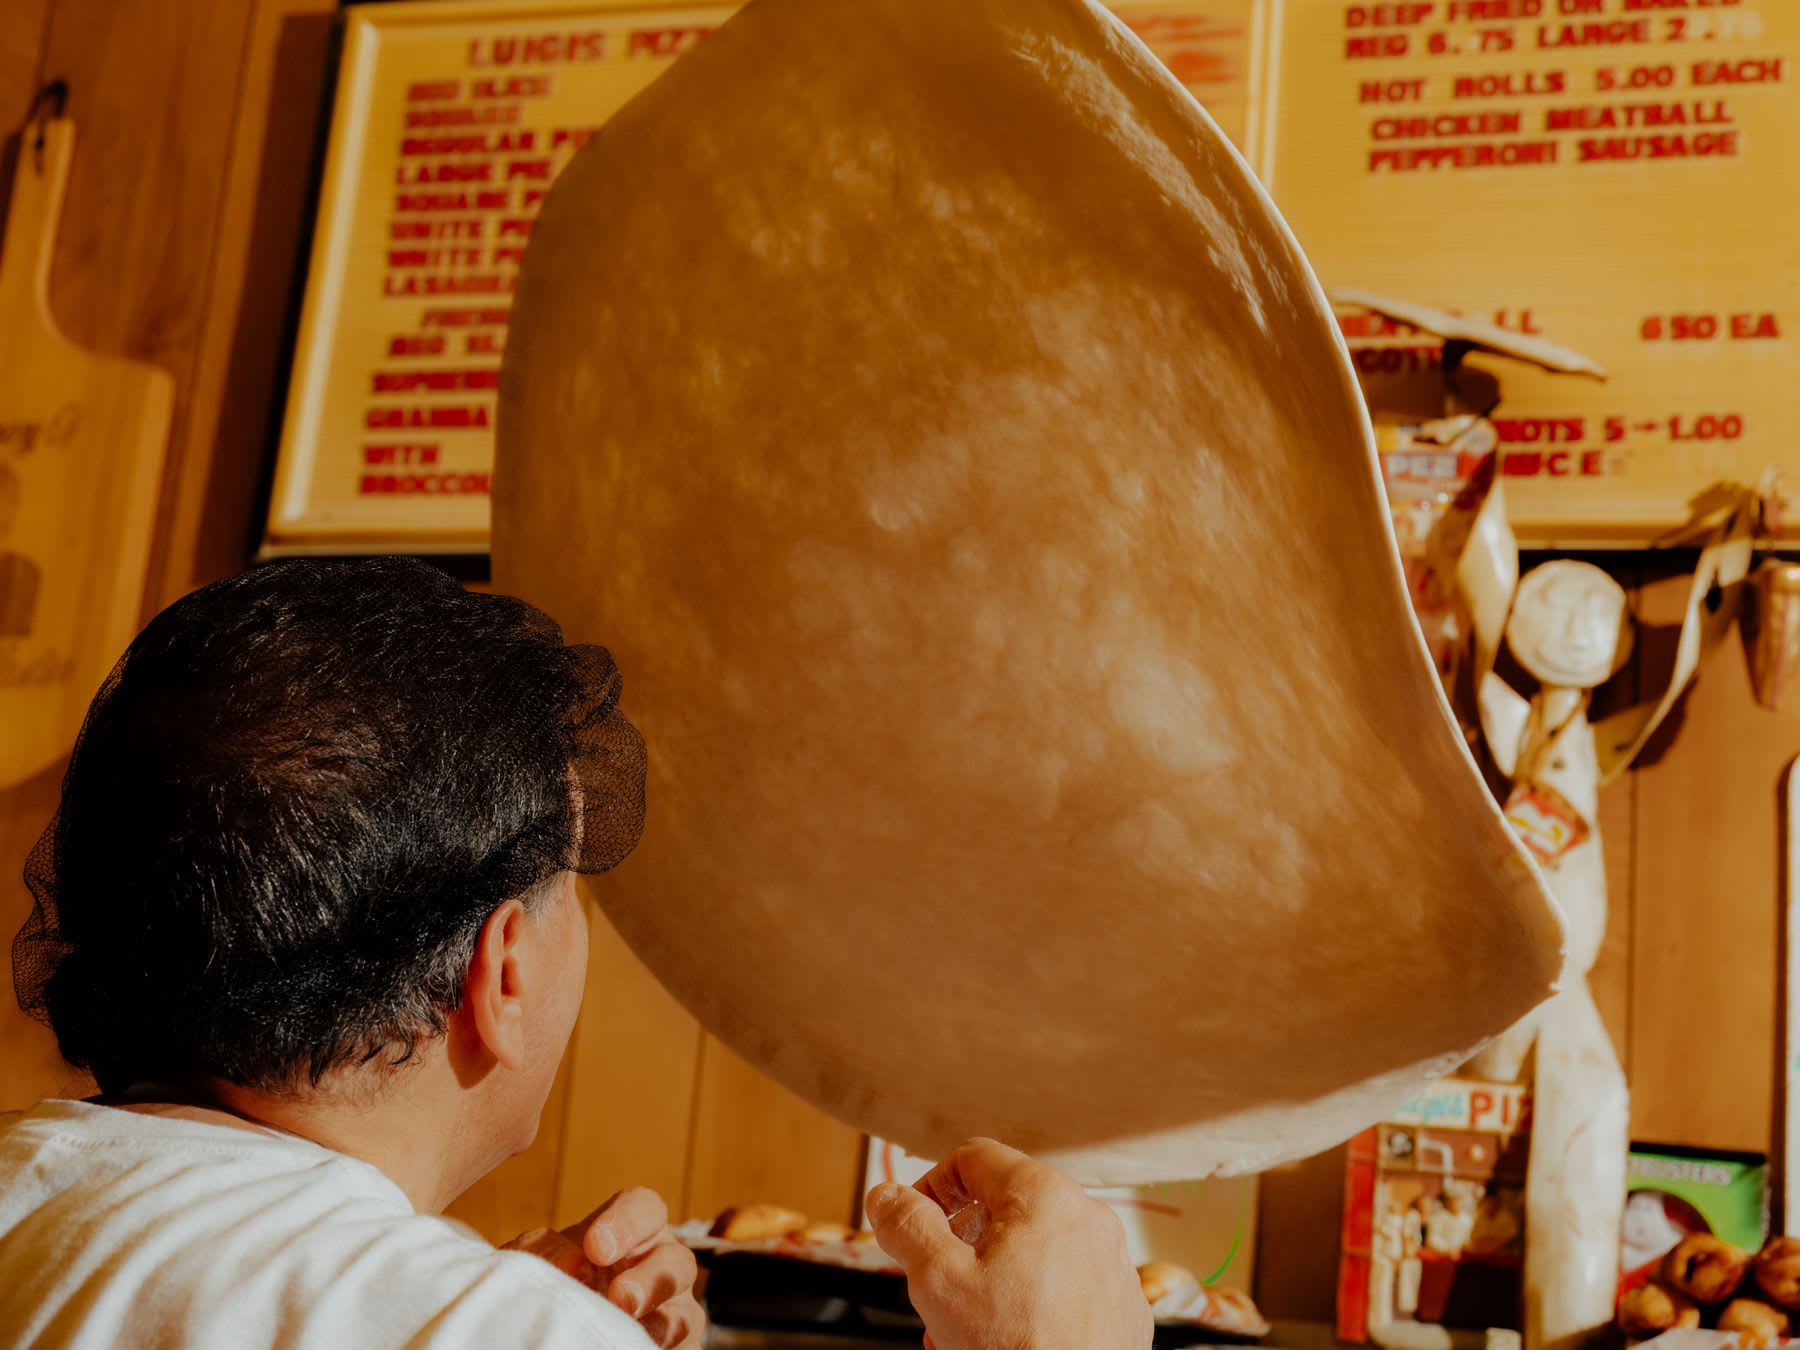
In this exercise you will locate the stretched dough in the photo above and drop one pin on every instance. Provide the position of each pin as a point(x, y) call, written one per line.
point(925, 405)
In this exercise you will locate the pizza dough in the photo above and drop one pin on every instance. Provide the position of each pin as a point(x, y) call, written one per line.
point(924, 404)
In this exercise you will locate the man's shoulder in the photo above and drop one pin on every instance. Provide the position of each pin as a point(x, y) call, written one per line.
point(223, 1230)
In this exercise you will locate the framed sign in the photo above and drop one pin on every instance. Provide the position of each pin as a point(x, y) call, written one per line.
point(1618, 176)
point(451, 121)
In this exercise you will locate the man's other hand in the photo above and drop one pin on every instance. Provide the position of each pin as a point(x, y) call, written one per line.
point(1004, 1253)
point(623, 1252)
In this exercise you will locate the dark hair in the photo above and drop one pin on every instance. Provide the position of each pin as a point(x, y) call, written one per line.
point(290, 809)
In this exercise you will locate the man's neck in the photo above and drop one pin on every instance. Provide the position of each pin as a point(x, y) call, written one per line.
point(396, 1125)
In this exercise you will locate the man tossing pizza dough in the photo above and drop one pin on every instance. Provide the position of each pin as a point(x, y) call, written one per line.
point(925, 403)
point(307, 913)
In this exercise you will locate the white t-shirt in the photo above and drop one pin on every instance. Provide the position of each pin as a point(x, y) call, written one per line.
point(120, 1229)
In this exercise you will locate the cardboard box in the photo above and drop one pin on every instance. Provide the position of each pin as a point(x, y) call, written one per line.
point(1674, 1191)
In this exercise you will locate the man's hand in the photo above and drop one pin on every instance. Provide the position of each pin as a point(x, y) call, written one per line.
point(1037, 1266)
point(623, 1252)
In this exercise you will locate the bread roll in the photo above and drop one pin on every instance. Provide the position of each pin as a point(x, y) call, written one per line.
point(1778, 1271)
point(1758, 1323)
point(1705, 1268)
point(1162, 1278)
point(1235, 1311)
point(1651, 1309)
point(751, 1223)
point(821, 1231)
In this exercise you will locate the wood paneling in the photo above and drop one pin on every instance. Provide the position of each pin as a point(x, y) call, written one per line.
point(755, 1140)
point(631, 1084)
point(1302, 1210)
point(217, 459)
point(1610, 978)
point(21, 54)
point(1706, 909)
point(153, 90)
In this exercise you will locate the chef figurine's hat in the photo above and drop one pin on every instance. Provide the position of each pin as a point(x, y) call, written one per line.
point(929, 410)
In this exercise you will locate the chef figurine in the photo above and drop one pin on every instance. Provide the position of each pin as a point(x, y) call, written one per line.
point(1569, 629)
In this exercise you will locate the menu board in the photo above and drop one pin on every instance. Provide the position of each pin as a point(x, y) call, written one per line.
point(1619, 176)
point(451, 121)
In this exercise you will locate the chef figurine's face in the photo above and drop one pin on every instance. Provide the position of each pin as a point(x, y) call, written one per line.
point(1569, 627)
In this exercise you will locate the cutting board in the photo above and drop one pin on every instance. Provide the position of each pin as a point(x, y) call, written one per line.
point(82, 440)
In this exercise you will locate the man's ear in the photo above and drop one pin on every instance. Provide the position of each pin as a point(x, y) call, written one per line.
point(492, 993)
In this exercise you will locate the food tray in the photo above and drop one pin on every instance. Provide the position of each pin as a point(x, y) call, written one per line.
point(768, 1291)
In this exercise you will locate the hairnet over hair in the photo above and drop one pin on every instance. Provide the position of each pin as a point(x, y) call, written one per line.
point(291, 807)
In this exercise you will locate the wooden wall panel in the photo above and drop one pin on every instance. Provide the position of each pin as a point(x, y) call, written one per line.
point(1301, 1210)
point(216, 463)
point(21, 55)
point(153, 92)
point(755, 1140)
point(1610, 978)
point(631, 1075)
point(1706, 906)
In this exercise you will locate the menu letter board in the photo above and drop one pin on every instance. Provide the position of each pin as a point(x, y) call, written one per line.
point(452, 119)
point(1620, 176)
